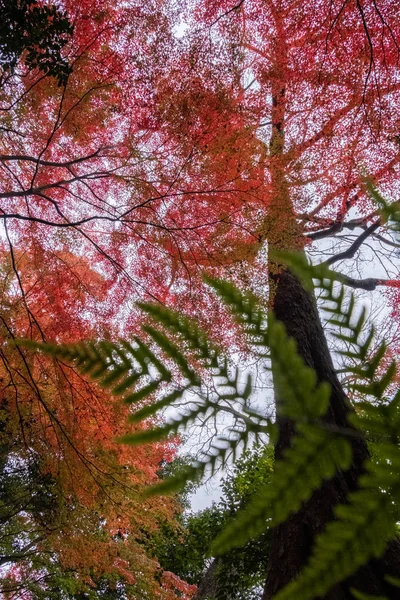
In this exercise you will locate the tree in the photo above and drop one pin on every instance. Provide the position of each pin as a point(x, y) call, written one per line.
point(61, 89)
point(60, 180)
point(70, 519)
point(365, 524)
point(37, 32)
point(249, 130)
point(239, 573)
point(327, 108)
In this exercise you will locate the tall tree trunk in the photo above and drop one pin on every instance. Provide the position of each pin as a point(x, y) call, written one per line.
point(211, 586)
point(208, 586)
point(292, 541)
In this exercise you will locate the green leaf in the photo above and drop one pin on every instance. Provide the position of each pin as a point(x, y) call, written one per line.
point(362, 596)
point(395, 581)
point(143, 392)
point(147, 436)
point(153, 408)
point(315, 455)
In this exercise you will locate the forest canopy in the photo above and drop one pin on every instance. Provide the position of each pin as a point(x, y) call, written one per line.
point(150, 154)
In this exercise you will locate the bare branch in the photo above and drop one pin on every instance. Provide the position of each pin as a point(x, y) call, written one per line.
point(323, 233)
point(227, 12)
point(350, 252)
point(368, 284)
point(339, 225)
point(50, 163)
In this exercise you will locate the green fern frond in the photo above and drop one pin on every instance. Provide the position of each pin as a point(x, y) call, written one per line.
point(316, 455)
point(382, 420)
point(180, 367)
point(190, 333)
point(217, 456)
point(295, 383)
point(361, 596)
point(361, 531)
point(170, 427)
point(394, 581)
point(301, 398)
point(115, 366)
point(371, 377)
point(246, 310)
point(390, 211)
point(171, 350)
point(152, 409)
point(104, 361)
point(135, 372)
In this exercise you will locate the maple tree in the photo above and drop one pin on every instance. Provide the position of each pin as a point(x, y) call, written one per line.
point(58, 445)
point(96, 535)
point(163, 154)
point(296, 100)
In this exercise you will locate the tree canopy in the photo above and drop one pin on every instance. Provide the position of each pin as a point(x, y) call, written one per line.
point(142, 146)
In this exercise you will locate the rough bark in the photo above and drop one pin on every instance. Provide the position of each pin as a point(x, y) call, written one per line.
point(292, 541)
point(209, 584)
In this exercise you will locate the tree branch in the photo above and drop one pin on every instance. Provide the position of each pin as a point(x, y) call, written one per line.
point(227, 12)
point(26, 551)
point(323, 233)
point(338, 226)
point(50, 163)
point(369, 283)
point(350, 252)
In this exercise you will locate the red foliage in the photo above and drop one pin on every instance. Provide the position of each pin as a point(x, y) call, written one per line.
point(55, 414)
point(164, 155)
